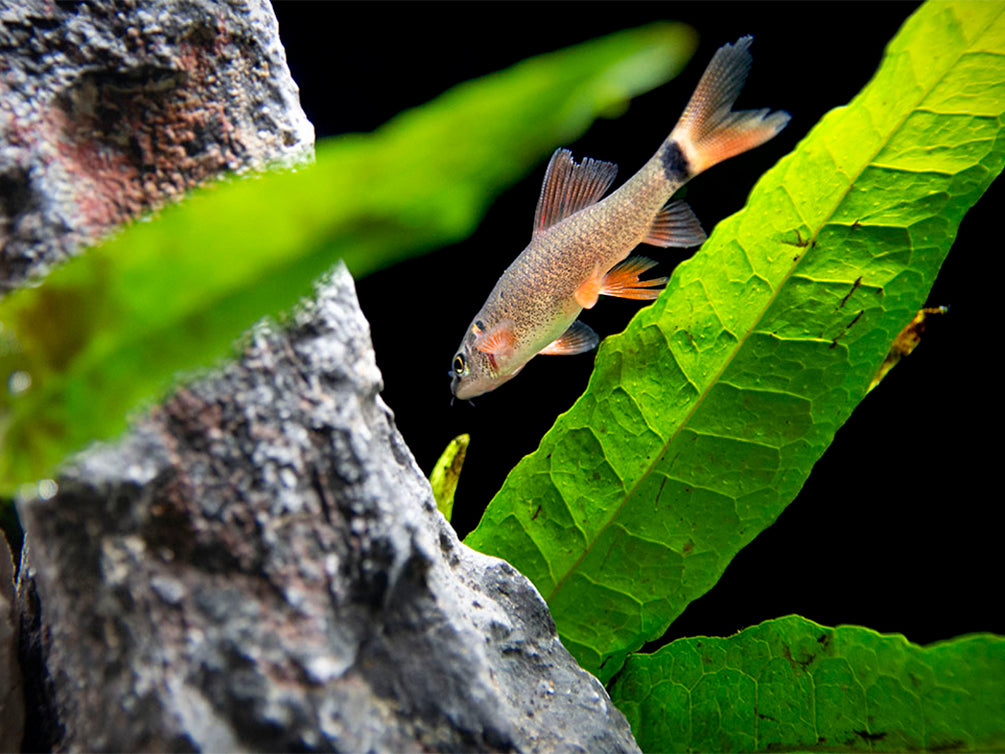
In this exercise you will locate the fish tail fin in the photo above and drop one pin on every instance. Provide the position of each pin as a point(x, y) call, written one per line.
point(709, 131)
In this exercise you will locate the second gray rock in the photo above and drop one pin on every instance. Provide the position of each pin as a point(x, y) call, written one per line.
point(260, 565)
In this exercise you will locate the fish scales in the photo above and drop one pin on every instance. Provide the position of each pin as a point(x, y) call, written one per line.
point(562, 257)
point(582, 244)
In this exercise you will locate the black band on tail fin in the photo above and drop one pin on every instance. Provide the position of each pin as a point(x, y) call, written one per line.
point(675, 164)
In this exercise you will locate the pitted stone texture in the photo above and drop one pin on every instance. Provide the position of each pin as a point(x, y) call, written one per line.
point(11, 691)
point(109, 108)
point(260, 565)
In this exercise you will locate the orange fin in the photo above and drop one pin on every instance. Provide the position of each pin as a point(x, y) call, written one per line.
point(623, 280)
point(579, 338)
point(497, 341)
point(709, 131)
point(675, 225)
point(589, 290)
point(569, 187)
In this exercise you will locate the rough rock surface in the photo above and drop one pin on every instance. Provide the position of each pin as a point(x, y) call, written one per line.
point(260, 565)
point(11, 692)
point(108, 108)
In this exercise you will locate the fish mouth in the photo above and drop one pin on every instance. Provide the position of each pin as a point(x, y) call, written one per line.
point(465, 391)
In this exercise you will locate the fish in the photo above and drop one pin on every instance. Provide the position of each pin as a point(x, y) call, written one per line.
point(582, 243)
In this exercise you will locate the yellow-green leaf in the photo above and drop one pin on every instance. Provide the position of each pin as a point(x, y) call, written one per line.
point(704, 418)
point(446, 472)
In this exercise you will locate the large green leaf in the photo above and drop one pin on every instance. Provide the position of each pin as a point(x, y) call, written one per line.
point(109, 329)
point(790, 684)
point(703, 419)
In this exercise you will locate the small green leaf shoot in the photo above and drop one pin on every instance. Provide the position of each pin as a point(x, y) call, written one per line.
point(446, 473)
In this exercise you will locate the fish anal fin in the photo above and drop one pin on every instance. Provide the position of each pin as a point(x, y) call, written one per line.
point(569, 187)
point(589, 290)
point(579, 338)
point(675, 226)
point(622, 281)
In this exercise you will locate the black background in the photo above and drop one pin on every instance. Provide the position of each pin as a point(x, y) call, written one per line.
point(895, 528)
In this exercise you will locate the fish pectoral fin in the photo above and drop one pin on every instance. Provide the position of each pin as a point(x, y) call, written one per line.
point(579, 338)
point(589, 290)
point(569, 187)
point(622, 281)
point(497, 341)
point(675, 226)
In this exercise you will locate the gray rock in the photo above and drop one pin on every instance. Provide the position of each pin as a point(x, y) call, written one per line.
point(109, 108)
point(11, 692)
point(259, 565)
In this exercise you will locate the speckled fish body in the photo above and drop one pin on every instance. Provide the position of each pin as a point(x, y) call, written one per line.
point(581, 244)
point(561, 258)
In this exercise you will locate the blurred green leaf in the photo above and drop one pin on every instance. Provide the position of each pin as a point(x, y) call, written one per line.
point(792, 685)
point(109, 329)
point(446, 473)
point(703, 419)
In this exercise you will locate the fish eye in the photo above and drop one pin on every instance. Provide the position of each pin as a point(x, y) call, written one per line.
point(460, 364)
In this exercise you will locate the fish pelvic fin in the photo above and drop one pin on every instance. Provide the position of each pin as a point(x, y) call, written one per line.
point(675, 226)
point(588, 292)
point(579, 338)
point(569, 187)
point(622, 281)
point(709, 131)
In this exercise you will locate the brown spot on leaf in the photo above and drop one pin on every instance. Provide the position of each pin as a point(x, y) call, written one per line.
point(867, 736)
point(906, 341)
point(800, 241)
point(854, 287)
point(800, 663)
point(836, 338)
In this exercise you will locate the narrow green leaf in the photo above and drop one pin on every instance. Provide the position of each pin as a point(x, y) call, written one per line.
point(792, 685)
point(446, 472)
point(703, 419)
point(110, 328)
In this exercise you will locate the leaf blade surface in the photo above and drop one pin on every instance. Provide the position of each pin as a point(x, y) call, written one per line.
point(703, 419)
point(790, 684)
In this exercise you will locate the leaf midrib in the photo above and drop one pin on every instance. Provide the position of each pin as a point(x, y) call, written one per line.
point(784, 280)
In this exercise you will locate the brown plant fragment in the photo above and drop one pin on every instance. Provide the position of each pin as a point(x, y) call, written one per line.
point(906, 341)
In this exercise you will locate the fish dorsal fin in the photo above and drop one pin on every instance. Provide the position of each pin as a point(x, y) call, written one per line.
point(569, 187)
point(579, 338)
point(675, 225)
